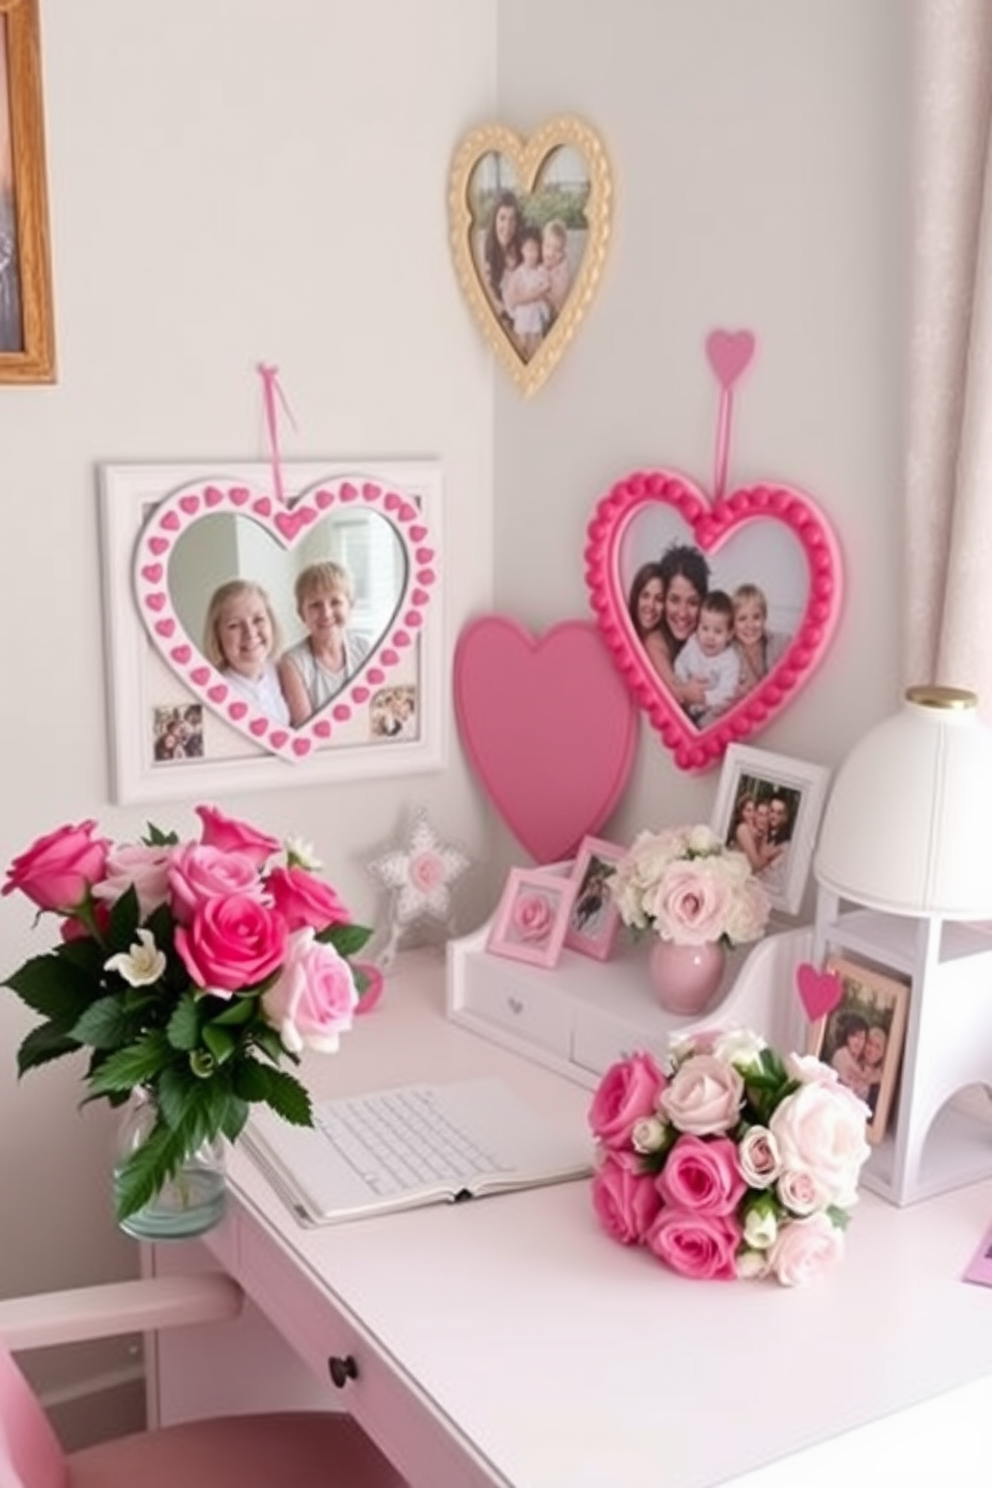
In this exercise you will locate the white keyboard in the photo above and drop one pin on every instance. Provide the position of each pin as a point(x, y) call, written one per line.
point(397, 1140)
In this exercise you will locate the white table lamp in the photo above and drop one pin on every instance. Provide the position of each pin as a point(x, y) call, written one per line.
point(904, 873)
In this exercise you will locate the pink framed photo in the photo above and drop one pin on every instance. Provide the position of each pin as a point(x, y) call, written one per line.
point(594, 917)
point(532, 917)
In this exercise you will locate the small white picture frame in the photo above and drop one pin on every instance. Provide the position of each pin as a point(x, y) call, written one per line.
point(768, 806)
point(389, 717)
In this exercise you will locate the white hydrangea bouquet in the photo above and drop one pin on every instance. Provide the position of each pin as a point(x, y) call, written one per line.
point(684, 884)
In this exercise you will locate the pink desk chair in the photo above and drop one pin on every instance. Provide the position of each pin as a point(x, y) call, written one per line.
point(277, 1450)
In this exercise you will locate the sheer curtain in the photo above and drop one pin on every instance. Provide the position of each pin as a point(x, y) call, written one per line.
point(949, 474)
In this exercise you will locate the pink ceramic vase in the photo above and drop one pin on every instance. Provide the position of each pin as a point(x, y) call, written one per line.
point(686, 977)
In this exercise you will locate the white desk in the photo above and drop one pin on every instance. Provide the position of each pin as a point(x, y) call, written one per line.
point(509, 1342)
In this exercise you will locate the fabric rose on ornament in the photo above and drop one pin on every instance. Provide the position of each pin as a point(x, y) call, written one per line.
point(627, 1093)
point(58, 870)
point(313, 1000)
point(232, 943)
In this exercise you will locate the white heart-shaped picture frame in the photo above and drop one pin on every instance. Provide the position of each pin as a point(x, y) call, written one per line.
point(286, 524)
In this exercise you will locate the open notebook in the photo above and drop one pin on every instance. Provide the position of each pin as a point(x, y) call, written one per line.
point(412, 1145)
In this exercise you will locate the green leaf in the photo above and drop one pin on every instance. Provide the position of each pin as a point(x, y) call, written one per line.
point(86, 954)
point(238, 1010)
point(125, 917)
point(220, 1043)
point(43, 1044)
point(267, 1039)
point(838, 1217)
point(346, 939)
point(144, 1172)
point(283, 1092)
point(53, 987)
point(183, 1027)
point(137, 1065)
point(234, 1118)
point(155, 837)
point(104, 1025)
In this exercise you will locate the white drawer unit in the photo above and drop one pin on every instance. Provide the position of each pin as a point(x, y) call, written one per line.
point(582, 1015)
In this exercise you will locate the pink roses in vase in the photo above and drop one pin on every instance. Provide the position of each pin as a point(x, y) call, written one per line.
point(188, 969)
point(730, 1163)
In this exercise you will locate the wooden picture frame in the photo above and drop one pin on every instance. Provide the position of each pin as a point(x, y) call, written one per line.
point(862, 1038)
point(594, 917)
point(532, 917)
point(754, 779)
point(27, 335)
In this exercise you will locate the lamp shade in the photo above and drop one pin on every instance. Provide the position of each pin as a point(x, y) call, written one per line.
point(908, 825)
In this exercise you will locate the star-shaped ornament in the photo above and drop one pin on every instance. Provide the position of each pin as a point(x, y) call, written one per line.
point(420, 873)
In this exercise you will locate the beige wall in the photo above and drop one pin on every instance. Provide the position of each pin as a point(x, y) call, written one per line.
point(234, 181)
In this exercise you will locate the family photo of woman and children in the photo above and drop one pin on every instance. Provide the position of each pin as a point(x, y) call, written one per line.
point(862, 1038)
point(529, 246)
point(710, 630)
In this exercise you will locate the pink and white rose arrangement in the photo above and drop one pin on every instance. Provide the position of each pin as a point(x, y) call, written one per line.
point(730, 1162)
point(189, 968)
point(684, 884)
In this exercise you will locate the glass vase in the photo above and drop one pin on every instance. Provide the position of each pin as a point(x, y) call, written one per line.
point(192, 1200)
point(686, 978)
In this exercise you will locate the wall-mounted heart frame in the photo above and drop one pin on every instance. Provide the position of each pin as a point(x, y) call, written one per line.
point(760, 564)
point(530, 223)
point(174, 535)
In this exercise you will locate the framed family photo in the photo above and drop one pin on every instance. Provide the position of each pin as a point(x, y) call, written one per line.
point(862, 1038)
point(768, 806)
point(594, 917)
point(532, 917)
point(27, 337)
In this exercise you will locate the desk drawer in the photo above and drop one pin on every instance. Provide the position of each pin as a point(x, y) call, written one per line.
point(599, 1040)
point(389, 1405)
point(536, 1014)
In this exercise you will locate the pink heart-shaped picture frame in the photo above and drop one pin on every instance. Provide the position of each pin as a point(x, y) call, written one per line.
point(286, 525)
point(768, 543)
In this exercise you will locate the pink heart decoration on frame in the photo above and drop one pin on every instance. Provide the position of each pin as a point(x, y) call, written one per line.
point(549, 728)
point(176, 514)
point(819, 991)
point(772, 535)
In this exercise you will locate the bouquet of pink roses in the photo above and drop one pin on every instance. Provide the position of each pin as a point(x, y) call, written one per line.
point(188, 968)
point(731, 1162)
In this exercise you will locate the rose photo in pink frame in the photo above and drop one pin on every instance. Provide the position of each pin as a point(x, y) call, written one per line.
point(532, 916)
point(594, 917)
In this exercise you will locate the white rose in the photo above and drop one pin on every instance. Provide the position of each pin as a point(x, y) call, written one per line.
point(800, 1192)
point(820, 1130)
point(759, 1158)
point(760, 1227)
point(648, 1134)
point(703, 1097)
point(741, 1047)
point(804, 1248)
point(703, 839)
point(752, 1265)
point(748, 913)
point(809, 1070)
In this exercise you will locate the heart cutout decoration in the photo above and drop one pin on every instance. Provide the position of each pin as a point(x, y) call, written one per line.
point(286, 526)
point(549, 728)
point(530, 222)
point(768, 541)
point(819, 991)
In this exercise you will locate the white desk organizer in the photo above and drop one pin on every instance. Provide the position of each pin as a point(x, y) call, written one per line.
point(936, 1142)
point(582, 1015)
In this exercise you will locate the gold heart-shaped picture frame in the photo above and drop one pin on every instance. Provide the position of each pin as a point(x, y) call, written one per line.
point(530, 224)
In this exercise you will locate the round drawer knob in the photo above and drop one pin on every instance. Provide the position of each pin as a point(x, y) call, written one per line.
point(342, 1370)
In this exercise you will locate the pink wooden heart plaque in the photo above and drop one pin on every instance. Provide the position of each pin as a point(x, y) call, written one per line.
point(548, 725)
point(285, 525)
point(771, 538)
point(819, 991)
